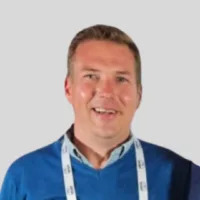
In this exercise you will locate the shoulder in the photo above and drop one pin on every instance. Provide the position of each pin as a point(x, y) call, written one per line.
point(27, 164)
point(34, 158)
point(168, 162)
point(169, 166)
point(159, 152)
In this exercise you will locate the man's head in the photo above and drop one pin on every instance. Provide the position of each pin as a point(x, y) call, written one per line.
point(103, 83)
point(104, 33)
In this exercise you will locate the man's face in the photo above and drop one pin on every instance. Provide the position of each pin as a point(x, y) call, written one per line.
point(102, 88)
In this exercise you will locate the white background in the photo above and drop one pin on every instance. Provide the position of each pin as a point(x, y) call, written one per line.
point(34, 37)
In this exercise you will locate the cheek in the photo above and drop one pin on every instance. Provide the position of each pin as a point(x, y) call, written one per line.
point(129, 98)
point(84, 92)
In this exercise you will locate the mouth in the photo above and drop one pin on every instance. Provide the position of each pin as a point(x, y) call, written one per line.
point(105, 113)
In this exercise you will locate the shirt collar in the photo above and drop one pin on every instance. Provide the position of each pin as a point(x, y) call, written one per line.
point(115, 155)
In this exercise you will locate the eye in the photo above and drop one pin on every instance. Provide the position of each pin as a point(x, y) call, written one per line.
point(91, 76)
point(121, 79)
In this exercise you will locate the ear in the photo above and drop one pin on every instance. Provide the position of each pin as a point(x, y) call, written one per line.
point(139, 95)
point(68, 89)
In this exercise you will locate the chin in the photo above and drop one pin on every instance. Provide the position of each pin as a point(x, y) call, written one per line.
point(106, 131)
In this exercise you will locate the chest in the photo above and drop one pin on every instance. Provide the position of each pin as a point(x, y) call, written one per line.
point(106, 186)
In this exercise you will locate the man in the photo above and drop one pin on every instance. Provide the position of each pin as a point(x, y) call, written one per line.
point(98, 157)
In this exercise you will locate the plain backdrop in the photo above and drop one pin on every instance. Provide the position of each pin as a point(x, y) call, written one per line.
point(34, 39)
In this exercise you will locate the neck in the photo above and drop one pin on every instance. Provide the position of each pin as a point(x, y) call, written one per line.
point(96, 152)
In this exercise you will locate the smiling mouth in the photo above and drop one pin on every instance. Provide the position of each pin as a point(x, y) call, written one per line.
point(105, 111)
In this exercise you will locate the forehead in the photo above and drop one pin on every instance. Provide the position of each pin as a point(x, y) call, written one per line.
point(104, 53)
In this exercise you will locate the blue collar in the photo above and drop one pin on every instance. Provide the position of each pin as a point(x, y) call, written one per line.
point(115, 155)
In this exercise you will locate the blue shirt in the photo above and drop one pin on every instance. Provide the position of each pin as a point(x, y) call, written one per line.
point(38, 176)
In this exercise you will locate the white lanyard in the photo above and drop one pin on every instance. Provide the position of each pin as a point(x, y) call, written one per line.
point(69, 179)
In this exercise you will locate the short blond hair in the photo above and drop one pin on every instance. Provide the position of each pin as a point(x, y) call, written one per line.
point(104, 33)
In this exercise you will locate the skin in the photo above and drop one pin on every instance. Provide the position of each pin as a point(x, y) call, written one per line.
point(103, 75)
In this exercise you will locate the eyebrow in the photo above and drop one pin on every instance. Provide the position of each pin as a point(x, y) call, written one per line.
point(124, 72)
point(90, 69)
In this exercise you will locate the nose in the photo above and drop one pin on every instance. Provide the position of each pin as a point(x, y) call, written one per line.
point(106, 89)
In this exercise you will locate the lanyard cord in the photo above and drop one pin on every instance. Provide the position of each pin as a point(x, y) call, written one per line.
point(69, 179)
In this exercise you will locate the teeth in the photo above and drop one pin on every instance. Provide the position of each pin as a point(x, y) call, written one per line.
point(102, 110)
